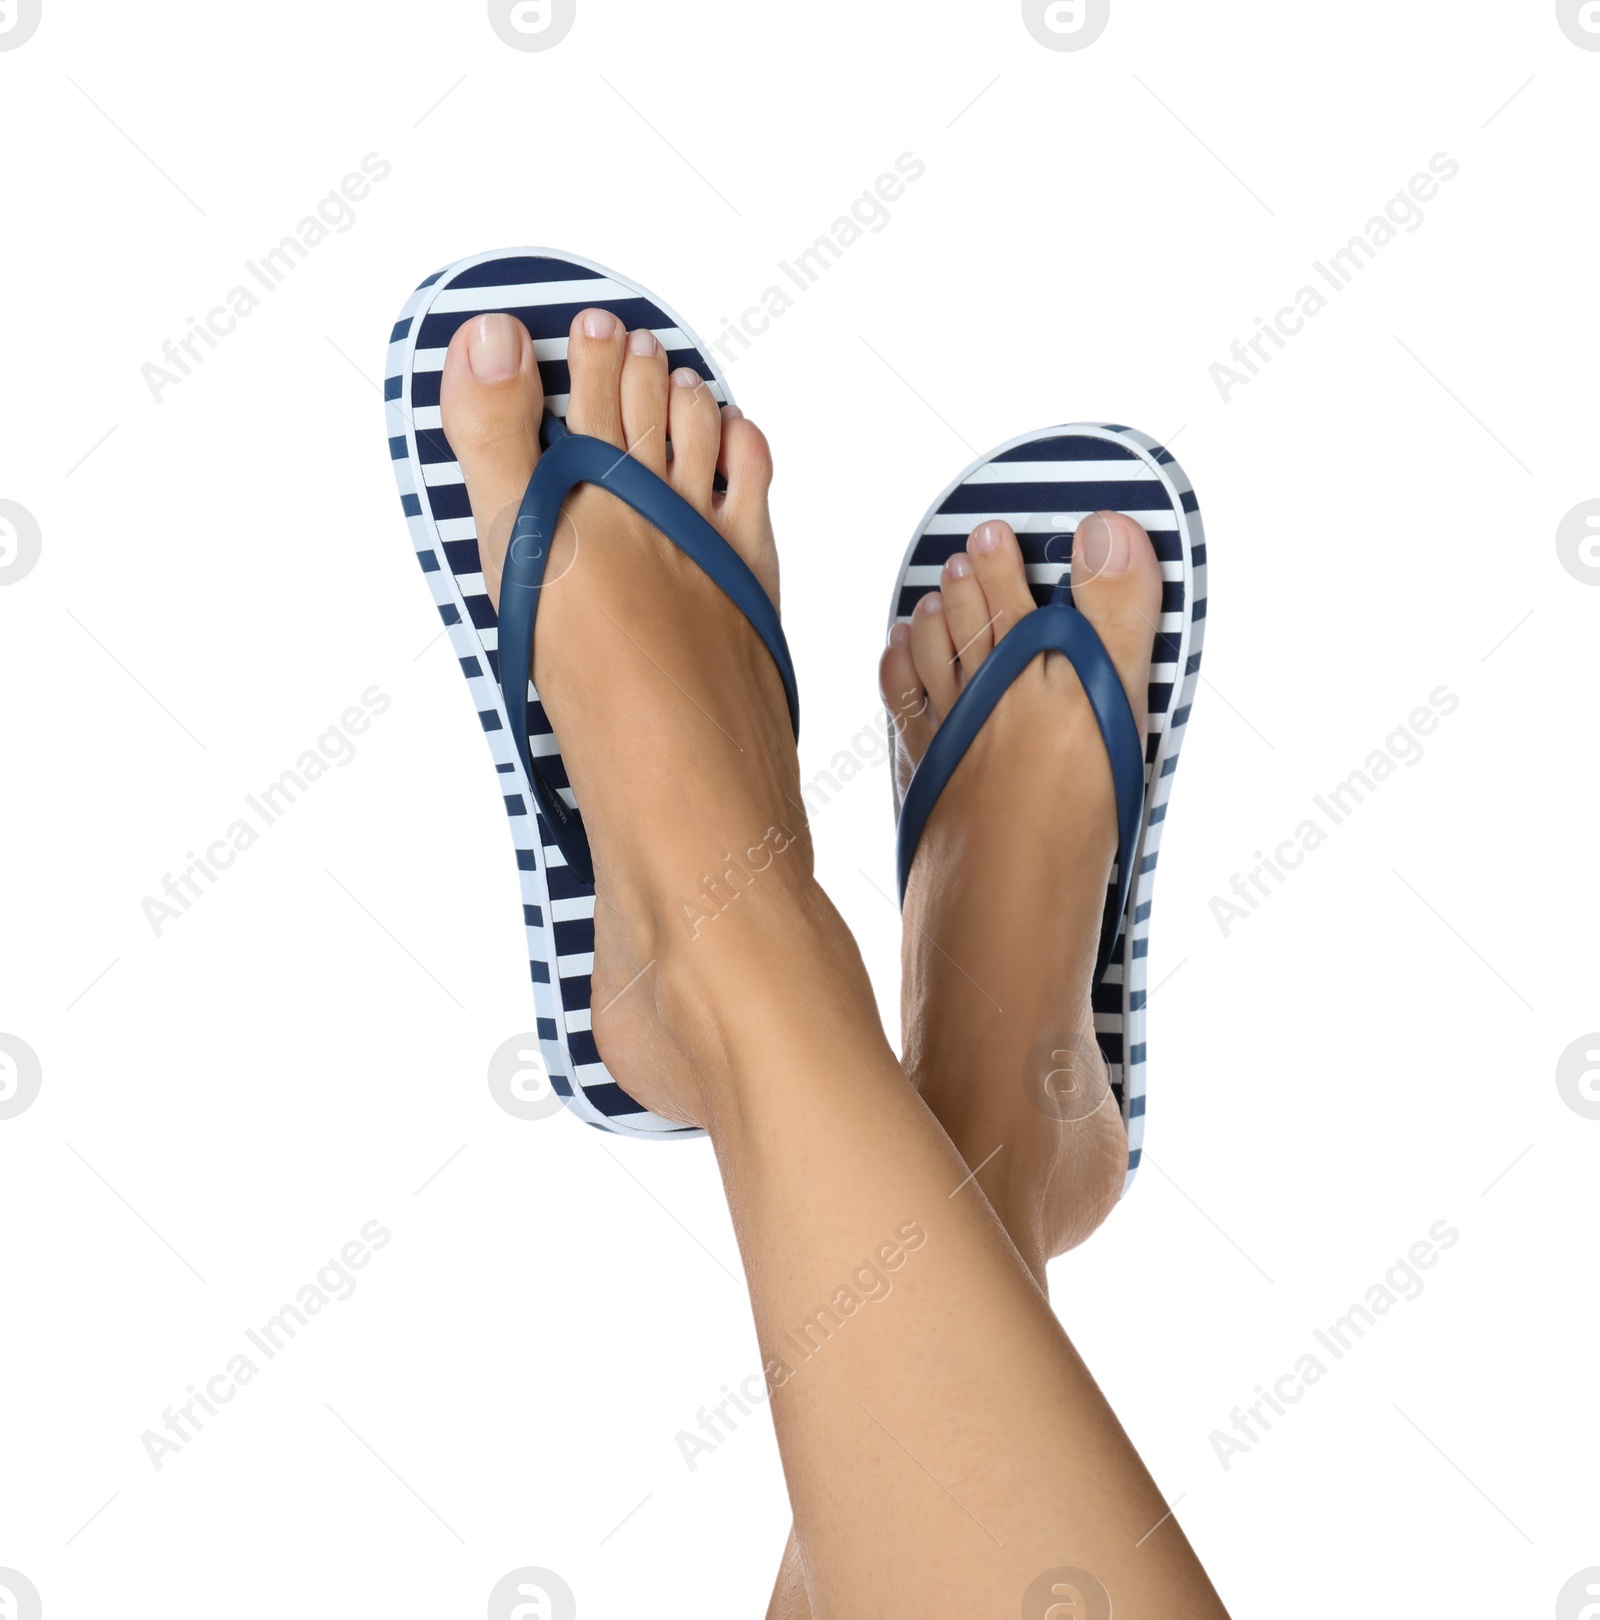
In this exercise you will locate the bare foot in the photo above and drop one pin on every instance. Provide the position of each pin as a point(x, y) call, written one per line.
point(1004, 907)
point(672, 718)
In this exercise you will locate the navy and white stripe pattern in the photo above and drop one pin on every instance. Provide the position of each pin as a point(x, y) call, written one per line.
point(545, 291)
point(1044, 485)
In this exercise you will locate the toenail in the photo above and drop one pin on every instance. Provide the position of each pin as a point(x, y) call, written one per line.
point(687, 377)
point(643, 343)
point(986, 538)
point(494, 348)
point(959, 566)
point(899, 634)
point(1102, 546)
point(931, 603)
point(732, 413)
point(599, 323)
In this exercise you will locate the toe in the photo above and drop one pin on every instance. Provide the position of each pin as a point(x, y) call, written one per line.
point(933, 653)
point(904, 695)
point(644, 401)
point(490, 403)
point(595, 349)
point(745, 461)
point(998, 567)
point(695, 429)
point(741, 514)
point(966, 611)
point(1116, 585)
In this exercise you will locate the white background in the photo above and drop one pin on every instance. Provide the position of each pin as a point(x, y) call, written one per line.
point(225, 1106)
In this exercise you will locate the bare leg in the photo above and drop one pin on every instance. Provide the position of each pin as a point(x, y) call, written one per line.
point(995, 963)
point(942, 1442)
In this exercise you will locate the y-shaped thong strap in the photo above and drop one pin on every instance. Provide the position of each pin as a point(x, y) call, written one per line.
point(570, 459)
point(1061, 628)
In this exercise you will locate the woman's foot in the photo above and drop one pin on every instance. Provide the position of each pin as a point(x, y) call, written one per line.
point(1003, 910)
point(672, 719)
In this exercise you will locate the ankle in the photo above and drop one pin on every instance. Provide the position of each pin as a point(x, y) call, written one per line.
point(1036, 1112)
point(773, 977)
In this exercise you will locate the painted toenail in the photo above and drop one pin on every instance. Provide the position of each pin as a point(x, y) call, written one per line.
point(494, 348)
point(687, 377)
point(642, 343)
point(986, 538)
point(899, 634)
point(599, 323)
point(931, 603)
point(1102, 546)
point(959, 566)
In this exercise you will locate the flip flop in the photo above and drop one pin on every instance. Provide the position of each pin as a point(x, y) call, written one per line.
point(1044, 484)
point(545, 290)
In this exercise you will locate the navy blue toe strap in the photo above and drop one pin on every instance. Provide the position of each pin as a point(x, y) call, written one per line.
point(570, 459)
point(1061, 628)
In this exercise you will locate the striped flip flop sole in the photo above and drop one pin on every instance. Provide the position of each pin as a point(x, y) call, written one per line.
point(545, 291)
point(1044, 484)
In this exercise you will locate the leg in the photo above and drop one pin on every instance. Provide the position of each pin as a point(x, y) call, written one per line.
point(995, 962)
point(942, 1442)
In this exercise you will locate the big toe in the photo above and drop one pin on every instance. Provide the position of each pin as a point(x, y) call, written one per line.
point(1116, 585)
point(490, 405)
